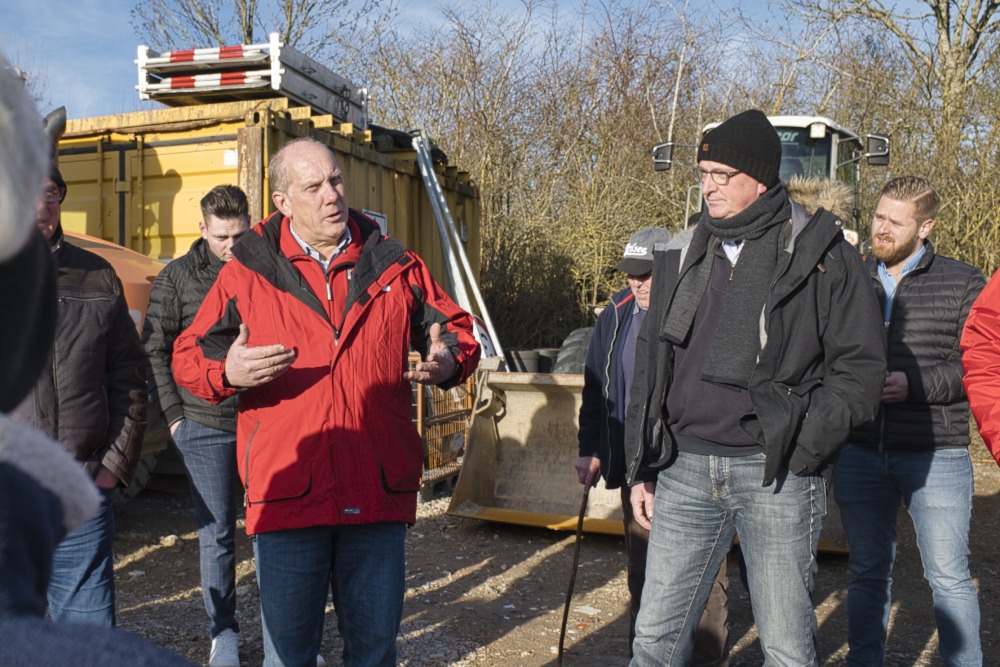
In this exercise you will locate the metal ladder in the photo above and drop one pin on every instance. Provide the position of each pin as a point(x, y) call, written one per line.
point(456, 260)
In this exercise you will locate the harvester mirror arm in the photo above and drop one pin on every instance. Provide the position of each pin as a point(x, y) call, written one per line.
point(663, 154)
point(856, 158)
point(877, 149)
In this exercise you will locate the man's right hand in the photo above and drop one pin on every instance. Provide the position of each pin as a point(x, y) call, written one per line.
point(253, 366)
point(642, 503)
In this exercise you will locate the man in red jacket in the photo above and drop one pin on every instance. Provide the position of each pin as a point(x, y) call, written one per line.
point(981, 360)
point(312, 322)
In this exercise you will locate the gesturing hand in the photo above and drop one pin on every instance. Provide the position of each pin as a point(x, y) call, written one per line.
point(440, 364)
point(253, 366)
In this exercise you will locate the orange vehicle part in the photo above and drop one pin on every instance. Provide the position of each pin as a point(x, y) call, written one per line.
point(136, 271)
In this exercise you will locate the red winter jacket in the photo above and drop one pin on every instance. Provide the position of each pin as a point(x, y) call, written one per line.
point(981, 359)
point(330, 441)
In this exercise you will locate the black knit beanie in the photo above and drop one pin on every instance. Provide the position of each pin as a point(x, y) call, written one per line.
point(747, 142)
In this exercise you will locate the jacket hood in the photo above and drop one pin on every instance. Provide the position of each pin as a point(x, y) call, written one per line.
point(44, 493)
point(816, 193)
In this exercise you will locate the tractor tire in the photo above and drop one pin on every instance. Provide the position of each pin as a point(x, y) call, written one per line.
point(573, 353)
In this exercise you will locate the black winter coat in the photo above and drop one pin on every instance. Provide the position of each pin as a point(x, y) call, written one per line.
point(922, 339)
point(92, 395)
point(821, 366)
point(177, 293)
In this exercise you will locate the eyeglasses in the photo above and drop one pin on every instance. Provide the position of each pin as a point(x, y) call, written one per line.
point(53, 194)
point(718, 176)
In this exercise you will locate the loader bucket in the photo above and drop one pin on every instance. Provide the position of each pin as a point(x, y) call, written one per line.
point(518, 464)
point(519, 456)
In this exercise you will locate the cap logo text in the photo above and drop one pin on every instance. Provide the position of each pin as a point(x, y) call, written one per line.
point(636, 250)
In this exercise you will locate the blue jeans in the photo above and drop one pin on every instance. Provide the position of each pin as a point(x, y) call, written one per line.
point(364, 565)
point(210, 458)
point(936, 489)
point(82, 588)
point(701, 504)
point(712, 638)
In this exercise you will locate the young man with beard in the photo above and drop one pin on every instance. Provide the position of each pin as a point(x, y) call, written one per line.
point(758, 356)
point(915, 452)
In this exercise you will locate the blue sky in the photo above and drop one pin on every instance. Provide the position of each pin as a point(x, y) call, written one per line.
point(83, 51)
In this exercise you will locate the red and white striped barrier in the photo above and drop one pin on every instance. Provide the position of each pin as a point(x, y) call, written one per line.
point(189, 81)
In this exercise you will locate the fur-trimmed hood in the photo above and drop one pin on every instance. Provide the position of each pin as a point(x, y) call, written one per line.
point(816, 193)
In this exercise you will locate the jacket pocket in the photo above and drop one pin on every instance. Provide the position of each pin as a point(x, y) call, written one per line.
point(781, 416)
point(267, 479)
point(800, 458)
point(399, 453)
point(661, 447)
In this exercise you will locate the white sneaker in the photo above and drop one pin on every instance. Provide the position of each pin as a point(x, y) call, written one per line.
point(225, 650)
point(320, 662)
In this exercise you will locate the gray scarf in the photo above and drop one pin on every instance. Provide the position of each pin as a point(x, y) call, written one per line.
point(736, 342)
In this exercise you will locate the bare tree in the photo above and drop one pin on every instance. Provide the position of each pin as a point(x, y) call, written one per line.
point(309, 25)
point(554, 114)
point(951, 46)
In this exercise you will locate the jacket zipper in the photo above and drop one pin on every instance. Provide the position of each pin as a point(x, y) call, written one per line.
point(246, 468)
point(883, 425)
point(347, 306)
point(606, 391)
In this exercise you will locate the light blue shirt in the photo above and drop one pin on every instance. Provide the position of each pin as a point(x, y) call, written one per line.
point(889, 283)
point(312, 252)
point(732, 250)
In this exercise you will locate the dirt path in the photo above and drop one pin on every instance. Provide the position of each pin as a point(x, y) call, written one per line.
point(491, 595)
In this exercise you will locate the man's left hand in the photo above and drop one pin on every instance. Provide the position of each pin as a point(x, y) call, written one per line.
point(440, 364)
point(896, 388)
point(105, 479)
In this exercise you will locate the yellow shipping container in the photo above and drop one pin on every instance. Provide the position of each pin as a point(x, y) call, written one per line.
point(136, 178)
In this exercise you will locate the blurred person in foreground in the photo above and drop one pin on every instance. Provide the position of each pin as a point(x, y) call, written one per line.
point(44, 492)
point(91, 397)
point(312, 322)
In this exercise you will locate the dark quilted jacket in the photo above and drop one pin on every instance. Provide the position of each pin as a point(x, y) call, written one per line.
point(922, 340)
point(91, 397)
point(178, 292)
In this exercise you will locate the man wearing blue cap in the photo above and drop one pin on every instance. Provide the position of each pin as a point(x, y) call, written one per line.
point(608, 374)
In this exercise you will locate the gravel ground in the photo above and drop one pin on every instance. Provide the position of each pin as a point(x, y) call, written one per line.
point(492, 595)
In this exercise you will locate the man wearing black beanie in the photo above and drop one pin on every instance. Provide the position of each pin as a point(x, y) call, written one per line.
point(762, 350)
